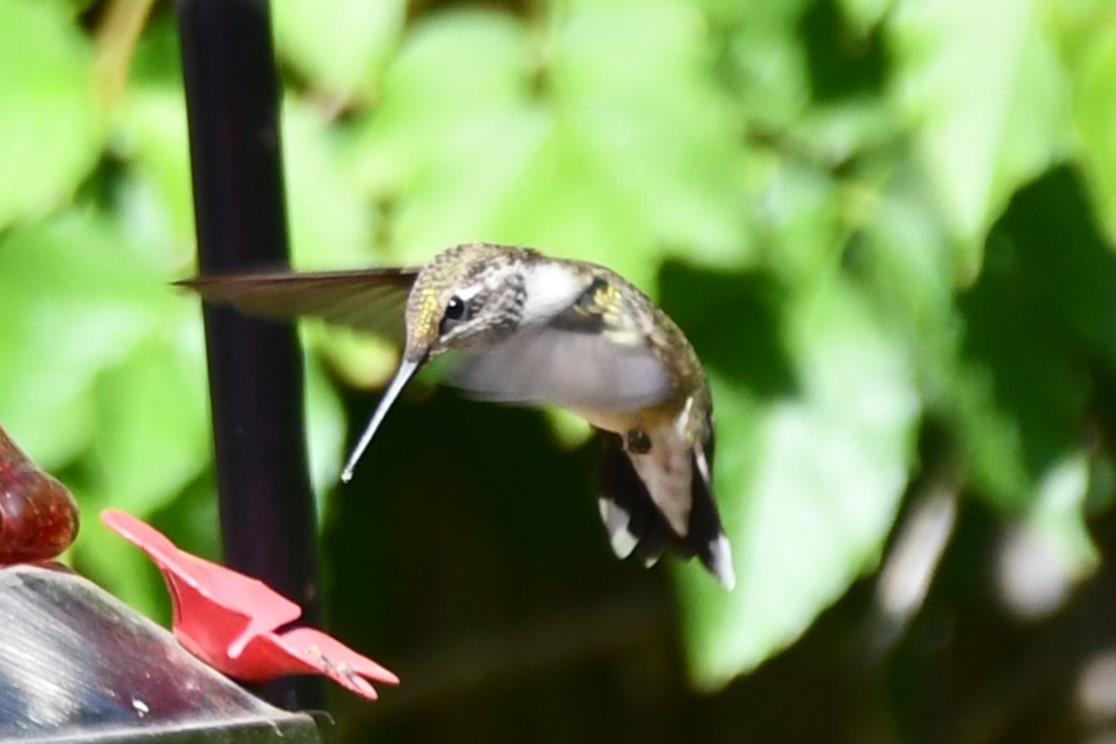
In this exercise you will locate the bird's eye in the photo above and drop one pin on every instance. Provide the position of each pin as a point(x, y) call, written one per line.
point(456, 311)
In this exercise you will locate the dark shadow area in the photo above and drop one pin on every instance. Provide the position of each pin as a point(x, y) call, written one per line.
point(469, 549)
point(843, 61)
point(968, 670)
point(1039, 311)
point(733, 320)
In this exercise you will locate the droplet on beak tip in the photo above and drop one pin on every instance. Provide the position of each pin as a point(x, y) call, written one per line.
point(406, 370)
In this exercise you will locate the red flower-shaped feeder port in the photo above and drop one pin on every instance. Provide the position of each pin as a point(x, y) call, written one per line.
point(229, 620)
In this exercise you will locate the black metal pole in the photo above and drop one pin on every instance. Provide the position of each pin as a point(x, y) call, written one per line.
point(255, 368)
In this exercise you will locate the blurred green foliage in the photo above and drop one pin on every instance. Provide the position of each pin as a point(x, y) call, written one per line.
point(887, 226)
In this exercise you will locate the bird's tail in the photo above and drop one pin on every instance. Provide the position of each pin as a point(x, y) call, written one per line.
point(636, 526)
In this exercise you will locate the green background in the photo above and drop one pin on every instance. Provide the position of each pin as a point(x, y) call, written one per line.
point(887, 227)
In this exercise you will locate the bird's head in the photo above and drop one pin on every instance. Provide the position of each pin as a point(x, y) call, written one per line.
point(467, 296)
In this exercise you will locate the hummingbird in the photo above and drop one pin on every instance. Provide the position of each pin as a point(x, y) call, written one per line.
point(531, 329)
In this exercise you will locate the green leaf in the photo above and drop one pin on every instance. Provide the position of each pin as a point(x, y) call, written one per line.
point(455, 132)
point(1058, 515)
point(341, 45)
point(866, 14)
point(809, 484)
point(152, 422)
point(464, 187)
point(454, 71)
point(905, 259)
point(157, 201)
point(905, 262)
point(764, 60)
point(1094, 110)
point(633, 86)
point(1033, 318)
point(157, 58)
point(325, 427)
point(564, 203)
point(461, 151)
point(330, 224)
point(796, 217)
point(120, 567)
point(981, 87)
point(73, 301)
point(477, 161)
point(52, 127)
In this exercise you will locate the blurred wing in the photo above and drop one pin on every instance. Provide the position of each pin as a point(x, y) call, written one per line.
point(371, 300)
point(581, 371)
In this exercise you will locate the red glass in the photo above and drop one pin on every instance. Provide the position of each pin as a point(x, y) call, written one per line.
point(38, 516)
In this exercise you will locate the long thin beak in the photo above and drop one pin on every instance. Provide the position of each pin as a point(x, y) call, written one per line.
point(406, 370)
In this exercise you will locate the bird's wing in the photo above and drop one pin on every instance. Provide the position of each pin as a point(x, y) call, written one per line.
point(583, 358)
point(368, 299)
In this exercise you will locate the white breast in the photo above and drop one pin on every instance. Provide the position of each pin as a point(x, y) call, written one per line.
point(550, 288)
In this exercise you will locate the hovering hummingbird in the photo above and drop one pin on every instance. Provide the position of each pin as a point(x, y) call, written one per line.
point(527, 328)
